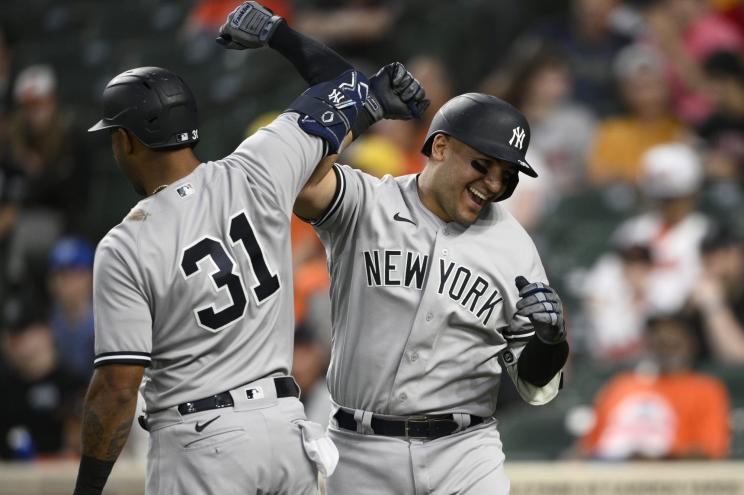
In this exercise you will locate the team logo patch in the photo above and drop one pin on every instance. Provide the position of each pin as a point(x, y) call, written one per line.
point(517, 139)
point(185, 190)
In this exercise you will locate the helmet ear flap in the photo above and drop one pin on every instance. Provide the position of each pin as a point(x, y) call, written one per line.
point(511, 185)
point(426, 149)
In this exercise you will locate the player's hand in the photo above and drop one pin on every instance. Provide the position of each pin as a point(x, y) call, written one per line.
point(395, 94)
point(541, 304)
point(250, 25)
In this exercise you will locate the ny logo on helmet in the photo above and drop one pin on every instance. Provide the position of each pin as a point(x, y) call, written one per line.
point(517, 139)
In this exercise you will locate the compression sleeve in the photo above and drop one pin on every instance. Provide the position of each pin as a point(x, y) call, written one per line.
point(539, 362)
point(314, 61)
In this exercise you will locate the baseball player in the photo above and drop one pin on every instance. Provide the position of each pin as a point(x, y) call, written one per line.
point(193, 290)
point(435, 290)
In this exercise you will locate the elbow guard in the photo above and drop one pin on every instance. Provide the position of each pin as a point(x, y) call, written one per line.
point(329, 110)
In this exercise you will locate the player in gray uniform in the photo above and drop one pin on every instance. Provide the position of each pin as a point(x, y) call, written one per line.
point(435, 290)
point(193, 290)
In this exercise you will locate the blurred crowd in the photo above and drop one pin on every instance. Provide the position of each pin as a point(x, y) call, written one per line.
point(637, 116)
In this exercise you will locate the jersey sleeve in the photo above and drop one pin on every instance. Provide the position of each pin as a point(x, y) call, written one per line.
point(279, 158)
point(123, 322)
point(353, 189)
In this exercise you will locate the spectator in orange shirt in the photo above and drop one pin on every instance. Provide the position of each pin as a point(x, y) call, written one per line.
point(621, 141)
point(667, 411)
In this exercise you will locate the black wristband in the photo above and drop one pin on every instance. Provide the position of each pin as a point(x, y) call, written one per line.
point(539, 362)
point(92, 476)
point(363, 121)
point(315, 61)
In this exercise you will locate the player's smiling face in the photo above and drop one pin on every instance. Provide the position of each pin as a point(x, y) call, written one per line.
point(462, 181)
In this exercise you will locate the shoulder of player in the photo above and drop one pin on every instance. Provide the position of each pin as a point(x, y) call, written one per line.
point(498, 219)
point(281, 127)
point(118, 247)
point(387, 181)
point(122, 239)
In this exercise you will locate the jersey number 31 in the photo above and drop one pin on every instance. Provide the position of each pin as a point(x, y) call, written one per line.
point(241, 232)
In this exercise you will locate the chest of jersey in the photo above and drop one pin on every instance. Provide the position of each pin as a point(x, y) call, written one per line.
point(422, 263)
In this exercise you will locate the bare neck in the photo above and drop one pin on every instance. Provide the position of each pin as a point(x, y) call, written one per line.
point(165, 167)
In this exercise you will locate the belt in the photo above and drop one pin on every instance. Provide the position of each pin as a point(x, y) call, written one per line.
point(429, 427)
point(285, 387)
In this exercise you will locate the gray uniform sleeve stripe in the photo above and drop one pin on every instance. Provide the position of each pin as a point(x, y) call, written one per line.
point(337, 198)
point(123, 357)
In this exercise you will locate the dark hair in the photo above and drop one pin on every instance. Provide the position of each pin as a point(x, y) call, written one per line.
point(719, 236)
point(680, 318)
point(535, 58)
point(724, 63)
point(635, 252)
point(19, 313)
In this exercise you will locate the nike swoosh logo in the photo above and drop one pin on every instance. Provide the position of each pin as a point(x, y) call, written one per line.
point(199, 427)
point(399, 218)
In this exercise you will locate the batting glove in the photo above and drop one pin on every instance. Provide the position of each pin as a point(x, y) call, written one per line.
point(541, 304)
point(395, 94)
point(250, 25)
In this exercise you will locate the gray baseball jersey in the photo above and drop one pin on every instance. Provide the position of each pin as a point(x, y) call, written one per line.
point(422, 308)
point(196, 282)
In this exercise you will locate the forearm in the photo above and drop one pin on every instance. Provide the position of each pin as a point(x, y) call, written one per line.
point(540, 362)
point(108, 412)
point(724, 332)
point(314, 61)
point(106, 424)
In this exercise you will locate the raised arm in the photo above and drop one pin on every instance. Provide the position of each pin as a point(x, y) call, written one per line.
point(394, 94)
point(252, 25)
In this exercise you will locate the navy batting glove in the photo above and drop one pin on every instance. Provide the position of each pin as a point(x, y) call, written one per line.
point(541, 304)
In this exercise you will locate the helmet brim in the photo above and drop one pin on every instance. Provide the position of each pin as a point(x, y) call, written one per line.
point(100, 126)
point(526, 168)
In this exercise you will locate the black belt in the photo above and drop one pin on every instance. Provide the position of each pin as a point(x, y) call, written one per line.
point(285, 387)
point(430, 427)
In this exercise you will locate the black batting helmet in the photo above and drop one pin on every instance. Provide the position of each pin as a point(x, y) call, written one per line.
point(154, 104)
point(489, 125)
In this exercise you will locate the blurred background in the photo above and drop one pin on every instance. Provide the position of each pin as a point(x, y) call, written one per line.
point(637, 116)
